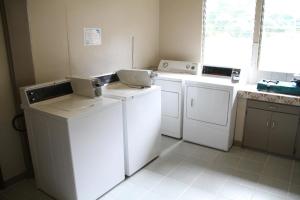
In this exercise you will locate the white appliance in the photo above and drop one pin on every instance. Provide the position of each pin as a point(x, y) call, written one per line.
point(136, 77)
point(142, 120)
point(178, 67)
point(88, 87)
point(171, 78)
point(76, 142)
point(209, 111)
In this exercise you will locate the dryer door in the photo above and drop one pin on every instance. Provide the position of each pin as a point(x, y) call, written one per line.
point(207, 105)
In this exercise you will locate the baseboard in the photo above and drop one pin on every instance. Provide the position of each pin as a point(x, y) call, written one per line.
point(16, 179)
point(2, 184)
point(237, 143)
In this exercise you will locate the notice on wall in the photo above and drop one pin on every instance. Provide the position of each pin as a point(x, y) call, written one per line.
point(92, 36)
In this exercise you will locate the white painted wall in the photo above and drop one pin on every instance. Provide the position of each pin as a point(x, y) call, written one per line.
point(181, 29)
point(11, 156)
point(56, 29)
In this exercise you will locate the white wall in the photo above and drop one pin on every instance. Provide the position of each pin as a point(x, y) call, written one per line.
point(56, 29)
point(181, 29)
point(11, 156)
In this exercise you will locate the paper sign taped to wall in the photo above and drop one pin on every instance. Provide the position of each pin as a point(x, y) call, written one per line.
point(92, 36)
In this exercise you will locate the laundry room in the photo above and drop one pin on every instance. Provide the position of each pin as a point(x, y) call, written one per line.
point(149, 99)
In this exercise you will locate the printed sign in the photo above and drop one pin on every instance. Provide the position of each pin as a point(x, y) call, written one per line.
point(92, 36)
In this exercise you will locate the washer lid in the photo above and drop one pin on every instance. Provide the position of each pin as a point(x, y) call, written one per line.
point(122, 91)
point(74, 104)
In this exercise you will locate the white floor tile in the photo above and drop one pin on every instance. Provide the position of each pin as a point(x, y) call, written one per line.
point(251, 166)
point(210, 181)
point(234, 191)
point(278, 172)
point(153, 196)
point(165, 164)
point(245, 178)
point(294, 192)
point(280, 162)
point(255, 155)
point(127, 191)
point(237, 151)
point(107, 196)
point(167, 143)
point(297, 165)
point(170, 188)
point(296, 177)
point(186, 172)
point(266, 196)
point(293, 196)
point(206, 154)
point(294, 189)
point(223, 171)
point(185, 149)
point(189, 171)
point(146, 178)
point(227, 160)
point(273, 186)
point(194, 193)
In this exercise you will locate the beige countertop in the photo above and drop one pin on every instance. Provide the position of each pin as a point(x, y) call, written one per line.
point(250, 92)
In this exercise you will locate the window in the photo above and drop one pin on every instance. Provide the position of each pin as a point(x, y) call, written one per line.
point(228, 32)
point(280, 42)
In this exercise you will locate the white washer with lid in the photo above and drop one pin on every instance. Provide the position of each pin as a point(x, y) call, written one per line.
point(142, 121)
point(76, 142)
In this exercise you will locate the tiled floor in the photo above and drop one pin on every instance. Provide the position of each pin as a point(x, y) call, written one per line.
point(186, 171)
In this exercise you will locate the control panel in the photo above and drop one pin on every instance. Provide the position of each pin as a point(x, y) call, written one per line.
point(178, 67)
point(38, 94)
point(222, 71)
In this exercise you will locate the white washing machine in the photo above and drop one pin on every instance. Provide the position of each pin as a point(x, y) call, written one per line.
point(210, 110)
point(142, 121)
point(76, 142)
point(171, 78)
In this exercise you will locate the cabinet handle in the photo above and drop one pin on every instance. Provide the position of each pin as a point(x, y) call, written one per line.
point(192, 102)
point(273, 124)
point(268, 123)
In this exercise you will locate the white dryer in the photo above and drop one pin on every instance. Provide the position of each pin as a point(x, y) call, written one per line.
point(142, 121)
point(76, 142)
point(210, 109)
point(171, 78)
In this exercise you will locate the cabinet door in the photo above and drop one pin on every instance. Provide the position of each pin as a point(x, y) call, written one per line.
point(257, 128)
point(298, 145)
point(170, 104)
point(283, 133)
point(208, 105)
point(171, 115)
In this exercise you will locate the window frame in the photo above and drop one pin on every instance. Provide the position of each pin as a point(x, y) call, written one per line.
point(257, 38)
point(203, 23)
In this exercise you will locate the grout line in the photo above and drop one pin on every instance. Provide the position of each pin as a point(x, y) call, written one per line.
point(165, 176)
point(260, 175)
point(291, 176)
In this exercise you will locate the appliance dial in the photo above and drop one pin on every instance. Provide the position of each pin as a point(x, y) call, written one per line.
point(165, 65)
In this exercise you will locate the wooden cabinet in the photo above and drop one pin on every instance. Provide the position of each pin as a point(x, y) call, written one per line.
point(283, 133)
point(257, 128)
point(271, 127)
point(298, 145)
